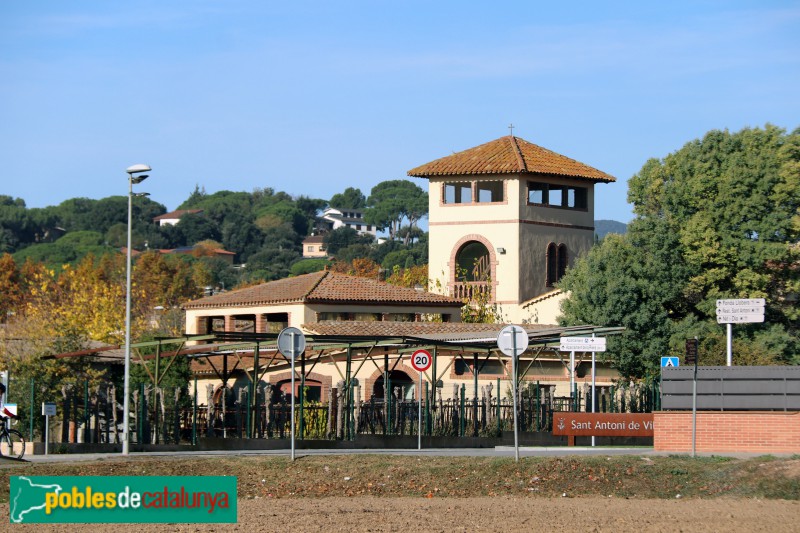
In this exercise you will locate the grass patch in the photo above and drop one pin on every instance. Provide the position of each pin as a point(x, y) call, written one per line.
point(381, 475)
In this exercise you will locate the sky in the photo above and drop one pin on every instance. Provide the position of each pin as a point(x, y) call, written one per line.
point(310, 98)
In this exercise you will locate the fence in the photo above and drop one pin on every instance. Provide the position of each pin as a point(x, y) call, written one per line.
point(723, 388)
point(93, 414)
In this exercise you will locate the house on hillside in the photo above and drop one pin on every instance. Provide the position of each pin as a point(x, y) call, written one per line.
point(509, 217)
point(173, 217)
point(334, 218)
point(314, 246)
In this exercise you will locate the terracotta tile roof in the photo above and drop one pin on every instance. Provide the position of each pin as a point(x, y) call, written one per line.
point(322, 287)
point(314, 239)
point(509, 155)
point(176, 214)
point(438, 330)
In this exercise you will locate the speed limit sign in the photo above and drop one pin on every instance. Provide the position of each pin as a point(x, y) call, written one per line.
point(421, 360)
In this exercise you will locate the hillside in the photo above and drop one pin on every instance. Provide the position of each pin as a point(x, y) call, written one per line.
point(604, 227)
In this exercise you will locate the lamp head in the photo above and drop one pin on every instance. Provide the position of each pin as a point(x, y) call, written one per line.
point(135, 169)
point(138, 179)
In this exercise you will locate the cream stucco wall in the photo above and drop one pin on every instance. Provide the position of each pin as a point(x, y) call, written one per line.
point(522, 231)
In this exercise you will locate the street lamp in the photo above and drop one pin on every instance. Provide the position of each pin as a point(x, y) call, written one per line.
point(134, 176)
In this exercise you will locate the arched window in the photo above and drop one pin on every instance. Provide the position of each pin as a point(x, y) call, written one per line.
point(562, 261)
point(551, 265)
point(556, 263)
point(472, 262)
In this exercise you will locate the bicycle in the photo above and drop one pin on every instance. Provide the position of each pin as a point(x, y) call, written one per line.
point(11, 440)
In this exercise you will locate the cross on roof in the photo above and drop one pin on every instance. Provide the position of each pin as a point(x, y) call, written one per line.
point(511, 129)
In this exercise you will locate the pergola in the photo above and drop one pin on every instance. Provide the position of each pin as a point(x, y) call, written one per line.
point(257, 354)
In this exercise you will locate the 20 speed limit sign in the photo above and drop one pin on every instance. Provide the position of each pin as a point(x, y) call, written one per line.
point(421, 360)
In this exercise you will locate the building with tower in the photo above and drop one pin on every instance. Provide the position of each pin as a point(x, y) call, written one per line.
point(506, 219)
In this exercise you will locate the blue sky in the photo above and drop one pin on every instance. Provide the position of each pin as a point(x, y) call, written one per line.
point(313, 97)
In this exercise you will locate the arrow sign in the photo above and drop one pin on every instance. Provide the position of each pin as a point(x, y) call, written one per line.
point(739, 318)
point(725, 310)
point(742, 302)
point(582, 344)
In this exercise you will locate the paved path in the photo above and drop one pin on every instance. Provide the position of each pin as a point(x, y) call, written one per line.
point(500, 451)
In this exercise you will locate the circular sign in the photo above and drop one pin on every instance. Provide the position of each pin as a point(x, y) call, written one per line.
point(421, 360)
point(291, 342)
point(513, 341)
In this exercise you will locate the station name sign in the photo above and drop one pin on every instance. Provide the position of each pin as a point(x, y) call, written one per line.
point(603, 424)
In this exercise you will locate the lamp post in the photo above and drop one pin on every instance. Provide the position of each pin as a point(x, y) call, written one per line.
point(134, 176)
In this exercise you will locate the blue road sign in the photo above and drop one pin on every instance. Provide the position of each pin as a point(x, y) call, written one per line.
point(670, 361)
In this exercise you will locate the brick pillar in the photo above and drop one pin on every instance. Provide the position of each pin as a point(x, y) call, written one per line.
point(261, 323)
point(228, 323)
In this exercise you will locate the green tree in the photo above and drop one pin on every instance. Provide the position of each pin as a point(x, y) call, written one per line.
point(343, 237)
point(716, 219)
point(391, 202)
point(351, 198)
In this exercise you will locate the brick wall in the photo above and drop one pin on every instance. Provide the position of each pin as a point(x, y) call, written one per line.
point(728, 431)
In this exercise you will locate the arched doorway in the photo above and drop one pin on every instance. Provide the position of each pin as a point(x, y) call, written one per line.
point(398, 380)
point(283, 390)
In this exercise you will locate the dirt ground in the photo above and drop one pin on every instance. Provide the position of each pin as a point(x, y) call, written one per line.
point(502, 513)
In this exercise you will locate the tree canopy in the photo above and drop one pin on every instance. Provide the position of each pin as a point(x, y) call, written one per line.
point(717, 219)
point(391, 202)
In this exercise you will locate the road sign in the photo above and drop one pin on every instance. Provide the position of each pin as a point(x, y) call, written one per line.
point(291, 342)
point(742, 302)
point(727, 310)
point(740, 318)
point(48, 409)
point(512, 341)
point(691, 352)
point(421, 360)
point(740, 311)
point(583, 344)
point(669, 362)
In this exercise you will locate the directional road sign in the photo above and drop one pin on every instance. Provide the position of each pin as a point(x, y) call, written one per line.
point(512, 341)
point(742, 302)
point(668, 362)
point(421, 360)
point(740, 311)
point(739, 319)
point(583, 344)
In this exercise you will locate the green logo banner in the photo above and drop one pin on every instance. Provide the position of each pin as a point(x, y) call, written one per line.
point(122, 499)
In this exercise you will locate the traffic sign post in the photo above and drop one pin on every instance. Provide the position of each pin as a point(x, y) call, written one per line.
point(48, 410)
point(421, 361)
point(513, 341)
point(291, 343)
point(739, 311)
point(583, 344)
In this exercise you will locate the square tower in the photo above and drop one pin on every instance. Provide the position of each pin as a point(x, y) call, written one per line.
point(507, 217)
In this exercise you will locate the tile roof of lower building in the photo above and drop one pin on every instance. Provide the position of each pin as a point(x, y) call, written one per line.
point(509, 155)
point(177, 214)
point(433, 330)
point(323, 287)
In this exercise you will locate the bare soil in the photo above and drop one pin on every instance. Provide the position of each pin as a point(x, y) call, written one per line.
point(500, 513)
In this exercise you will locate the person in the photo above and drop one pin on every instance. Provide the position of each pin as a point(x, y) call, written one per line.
point(4, 413)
